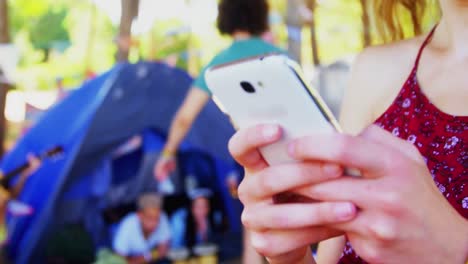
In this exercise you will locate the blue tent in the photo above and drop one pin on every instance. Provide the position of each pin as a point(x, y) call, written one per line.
point(89, 124)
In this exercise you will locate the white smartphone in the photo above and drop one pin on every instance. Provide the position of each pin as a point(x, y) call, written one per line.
point(270, 89)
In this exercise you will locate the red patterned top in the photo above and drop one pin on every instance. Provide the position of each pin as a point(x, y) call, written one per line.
point(442, 140)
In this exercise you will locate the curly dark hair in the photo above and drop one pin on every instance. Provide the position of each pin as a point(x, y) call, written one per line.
point(246, 15)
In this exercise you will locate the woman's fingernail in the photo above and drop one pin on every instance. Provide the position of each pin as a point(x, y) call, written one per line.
point(257, 241)
point(344, 211)
point(270, 132)
point(332, 170)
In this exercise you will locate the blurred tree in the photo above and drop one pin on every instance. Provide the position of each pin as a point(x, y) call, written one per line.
point(313, 33)
point(169, 39)
point(4, 27)
point(48, 30)
point(129, 13)
point(24, 13)
point(338, 29)
point(4, 38)
point(297, 15)
point(89, 47)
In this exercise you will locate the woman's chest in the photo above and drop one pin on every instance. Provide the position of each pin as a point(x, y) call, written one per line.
point(443, 142)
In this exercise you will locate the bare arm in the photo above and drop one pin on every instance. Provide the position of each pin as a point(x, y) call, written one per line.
point(358, 100)
point(18, 187)
point(356, 115)
point(194, 102)
point(34, 164)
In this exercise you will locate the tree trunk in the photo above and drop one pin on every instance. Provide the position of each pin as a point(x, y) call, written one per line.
point(294, 23)
point(366, 34)
point(4, 33)
point(313, 34)
point(4, 38)
point(129, 12)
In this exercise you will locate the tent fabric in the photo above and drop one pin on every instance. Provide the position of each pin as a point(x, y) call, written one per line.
point(64, 125)
point(90, 123)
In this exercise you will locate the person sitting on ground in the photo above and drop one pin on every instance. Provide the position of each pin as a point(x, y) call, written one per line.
point(198, 225)
point(144, 236)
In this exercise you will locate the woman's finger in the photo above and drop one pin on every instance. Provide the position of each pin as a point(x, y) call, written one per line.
point(384, 137)
point(295, 216)
point(372, 158)
point(245, 143)
point(281, 178)
point(374, 226)
point(361, 192)
point(274, 243)
point(296, 256)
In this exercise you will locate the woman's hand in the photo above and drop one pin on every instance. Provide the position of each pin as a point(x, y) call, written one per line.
point(403, 217)
point(33, 165)
point(163, 168)
point(283, 232)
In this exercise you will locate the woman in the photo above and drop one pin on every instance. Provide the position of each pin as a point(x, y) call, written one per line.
point(197, 225)
point(411, 203)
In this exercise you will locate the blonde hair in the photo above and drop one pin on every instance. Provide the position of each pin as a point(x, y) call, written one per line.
point(150, 200)
point(400, 19)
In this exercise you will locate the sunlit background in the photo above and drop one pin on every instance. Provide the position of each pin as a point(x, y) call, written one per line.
point(57, 44)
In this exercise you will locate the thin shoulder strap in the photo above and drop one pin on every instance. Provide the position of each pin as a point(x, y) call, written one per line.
point(423, 46)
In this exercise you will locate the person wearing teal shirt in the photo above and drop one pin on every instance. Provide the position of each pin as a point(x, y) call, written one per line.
point(245, 21)
point(239, 49)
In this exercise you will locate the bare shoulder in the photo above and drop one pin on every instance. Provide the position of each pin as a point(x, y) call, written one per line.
point(386, 66)
point(377, 76)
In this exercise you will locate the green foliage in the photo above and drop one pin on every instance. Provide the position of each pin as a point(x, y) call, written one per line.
point(60, 39)
point(167, 38)
point(339, 29)
point(49, 29)
point(39, 24)
point(23, 13)
point(173, 37)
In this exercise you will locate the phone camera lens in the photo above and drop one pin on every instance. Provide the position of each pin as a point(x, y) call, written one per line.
point(248, 87)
